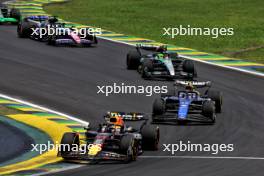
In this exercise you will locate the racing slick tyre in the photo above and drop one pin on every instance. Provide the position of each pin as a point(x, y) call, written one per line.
point(158, 107)
point(23, 30)
point(188, 67)
point(150, 137)
point(208, 110)
point(92, 38)
point(129, 147)
point(52, 40)
point(217, 97)
point(70, 139)
point(15, 13)
point(133, 60)
point(147, 67)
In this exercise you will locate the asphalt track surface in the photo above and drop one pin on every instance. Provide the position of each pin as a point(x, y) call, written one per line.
point(66, 79)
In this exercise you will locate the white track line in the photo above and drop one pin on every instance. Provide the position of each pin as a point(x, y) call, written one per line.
point(45, 109)
point(204, 157)
point(59, 170)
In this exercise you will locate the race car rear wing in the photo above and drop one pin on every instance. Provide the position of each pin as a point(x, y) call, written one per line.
point(196, 84)
point(127, 116)
point(37, 18)
point(162, 48)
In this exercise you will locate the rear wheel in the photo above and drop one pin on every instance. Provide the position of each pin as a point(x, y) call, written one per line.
point(217, 97)
point(15, 13)
point(68, 142)
point(133, 60)
point(188, 67)
point(150, 137)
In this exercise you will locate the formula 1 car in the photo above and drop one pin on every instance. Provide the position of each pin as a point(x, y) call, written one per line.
point(69, 37)
point(26, 27)
point(8, 15)
point(48, 29)
point(160, 64)
point(188, 105)
point(113, 140)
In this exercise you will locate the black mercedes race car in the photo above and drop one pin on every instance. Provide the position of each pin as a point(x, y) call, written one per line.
point(113, 140)
point(188, 104)
point(48, 29)
point(160, 64)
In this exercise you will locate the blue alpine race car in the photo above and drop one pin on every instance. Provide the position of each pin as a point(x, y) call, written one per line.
point(188, 105)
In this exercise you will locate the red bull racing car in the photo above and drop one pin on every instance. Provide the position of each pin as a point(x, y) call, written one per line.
point(113, 140)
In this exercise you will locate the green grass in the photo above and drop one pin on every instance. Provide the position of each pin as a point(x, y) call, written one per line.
point(147, 18)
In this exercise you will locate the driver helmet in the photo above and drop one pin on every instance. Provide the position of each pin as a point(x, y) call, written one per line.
point(160, 55)
point(116, 119)
point(189, 86)
point(166, 56)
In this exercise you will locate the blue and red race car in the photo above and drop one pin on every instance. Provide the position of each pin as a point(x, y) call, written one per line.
point(114, 140)
point(188, 104)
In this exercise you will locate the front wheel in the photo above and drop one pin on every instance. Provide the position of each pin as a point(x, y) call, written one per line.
point(217, 97)
point(128, 146)
point(147, 67)
point(69, 141)
point(21, 32)
point(133, 60)
point(208, 110)
point(52, 40)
